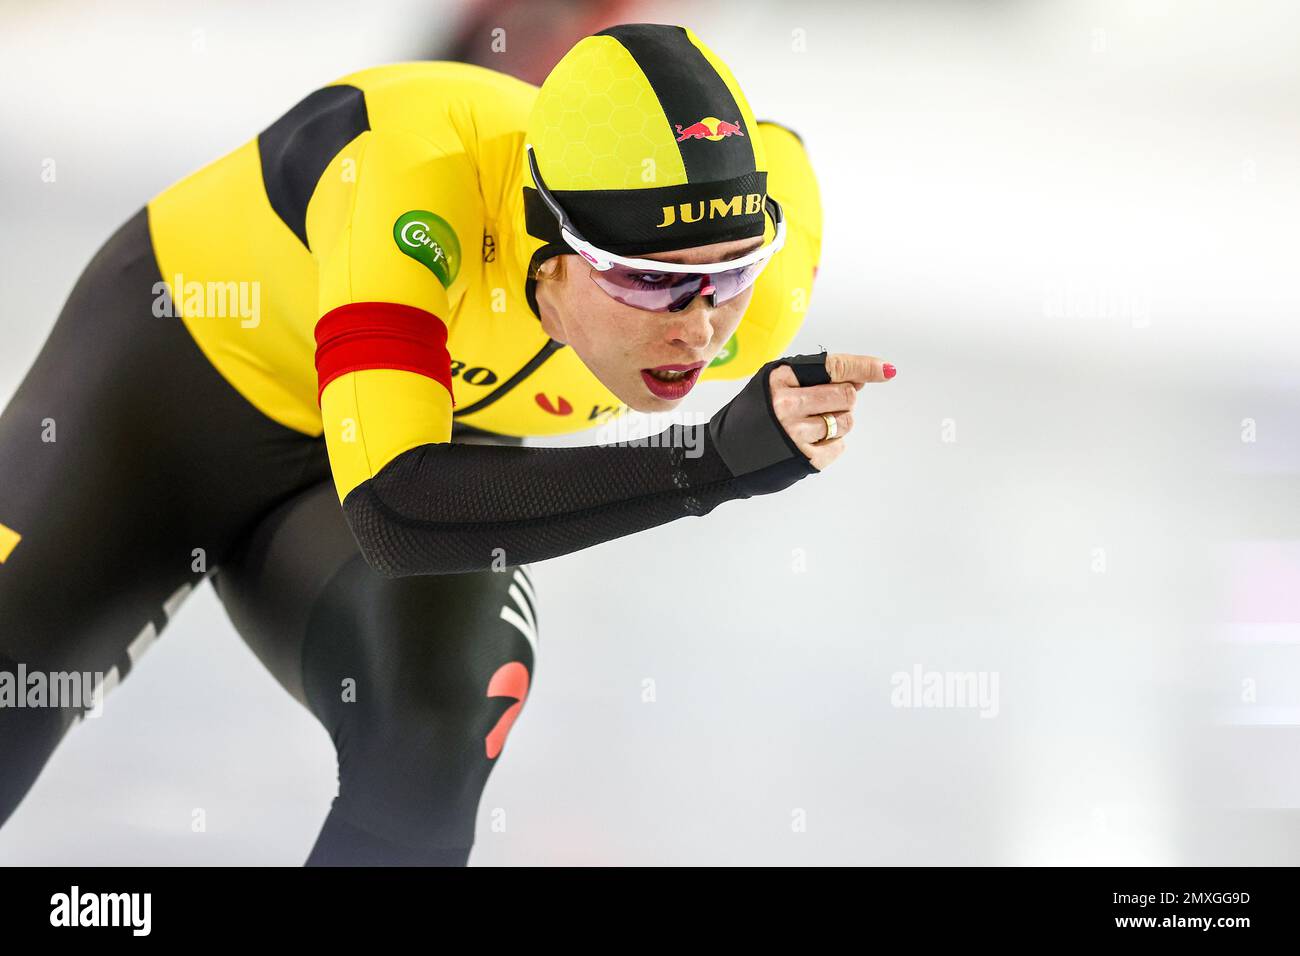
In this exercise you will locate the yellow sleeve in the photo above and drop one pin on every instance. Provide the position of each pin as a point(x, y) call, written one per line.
point(784, 290)
point(387, 224)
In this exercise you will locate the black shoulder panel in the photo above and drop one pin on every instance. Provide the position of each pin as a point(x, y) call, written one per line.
point(297, 147)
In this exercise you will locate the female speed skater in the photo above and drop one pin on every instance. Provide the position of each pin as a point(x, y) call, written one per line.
point(306, 371)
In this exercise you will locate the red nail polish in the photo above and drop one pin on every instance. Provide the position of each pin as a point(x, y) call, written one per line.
point(890, 371)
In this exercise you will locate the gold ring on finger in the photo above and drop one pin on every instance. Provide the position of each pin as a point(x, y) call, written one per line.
point(832, 428)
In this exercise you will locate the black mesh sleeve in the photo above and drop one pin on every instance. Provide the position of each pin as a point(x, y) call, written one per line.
point(448, 508)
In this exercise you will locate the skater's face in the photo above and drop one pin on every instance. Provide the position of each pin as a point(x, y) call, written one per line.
point(627, 348)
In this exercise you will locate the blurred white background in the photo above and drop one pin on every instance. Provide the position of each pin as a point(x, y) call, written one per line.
point(1073, 228)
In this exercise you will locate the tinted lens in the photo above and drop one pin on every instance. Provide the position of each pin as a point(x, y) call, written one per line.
point(651, 291)
point(672, 291)
point(729, 284)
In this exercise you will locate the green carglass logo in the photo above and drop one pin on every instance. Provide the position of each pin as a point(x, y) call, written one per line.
point(430, 240)
point(728, 352)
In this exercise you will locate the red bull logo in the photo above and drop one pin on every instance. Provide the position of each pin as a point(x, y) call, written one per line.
point(710, 128)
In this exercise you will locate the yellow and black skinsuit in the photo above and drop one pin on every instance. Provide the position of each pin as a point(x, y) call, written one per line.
point(306, 370)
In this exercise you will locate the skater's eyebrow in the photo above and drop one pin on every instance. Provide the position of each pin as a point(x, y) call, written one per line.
point(688, 252)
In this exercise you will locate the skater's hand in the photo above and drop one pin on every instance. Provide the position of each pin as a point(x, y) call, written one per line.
point(800, 409)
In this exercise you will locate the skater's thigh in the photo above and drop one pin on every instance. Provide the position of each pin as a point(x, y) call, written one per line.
point(302, 597)
point(128, 469)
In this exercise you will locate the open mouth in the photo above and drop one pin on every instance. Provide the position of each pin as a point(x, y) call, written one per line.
point(671, 381)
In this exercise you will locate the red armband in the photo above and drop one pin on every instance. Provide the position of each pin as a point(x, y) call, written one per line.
point(363, 335)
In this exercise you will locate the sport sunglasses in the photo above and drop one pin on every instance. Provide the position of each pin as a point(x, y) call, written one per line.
point(655, 286)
